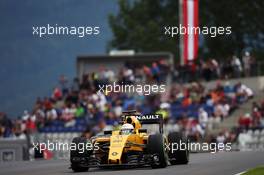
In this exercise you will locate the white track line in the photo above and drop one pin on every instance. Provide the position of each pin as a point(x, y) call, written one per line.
point(240, 173)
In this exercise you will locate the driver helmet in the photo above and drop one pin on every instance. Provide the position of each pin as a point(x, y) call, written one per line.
point(127, 128)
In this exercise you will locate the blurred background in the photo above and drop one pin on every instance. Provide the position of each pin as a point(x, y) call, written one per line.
point(49, 85)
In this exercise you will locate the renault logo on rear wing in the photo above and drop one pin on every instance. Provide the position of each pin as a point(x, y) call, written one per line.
point(150, 119)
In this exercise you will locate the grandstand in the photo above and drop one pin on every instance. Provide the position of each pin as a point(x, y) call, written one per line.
point(115, 60)
point(202, 109)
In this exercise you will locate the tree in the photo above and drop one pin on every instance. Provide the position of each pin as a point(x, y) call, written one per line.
point(139, 25)
point(245, 19)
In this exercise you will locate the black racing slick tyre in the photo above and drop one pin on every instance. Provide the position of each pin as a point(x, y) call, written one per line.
point(177, 155)
point(156, 148)
point(78, 157)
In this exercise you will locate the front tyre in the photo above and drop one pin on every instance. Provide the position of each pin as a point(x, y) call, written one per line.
point(77, 157)
point(156, 148)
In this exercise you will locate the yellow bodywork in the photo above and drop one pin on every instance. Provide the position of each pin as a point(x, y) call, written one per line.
point(123, 143)
point(120, 143)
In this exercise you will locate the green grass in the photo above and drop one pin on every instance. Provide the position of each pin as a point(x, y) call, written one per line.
point(255, 171)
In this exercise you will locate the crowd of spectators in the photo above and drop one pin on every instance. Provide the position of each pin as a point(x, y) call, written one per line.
point(250, 130)
point(80, 103)
point(198, 109)
point(246, 124)
point(78, 106)
point(254, 119)
point(213, 69)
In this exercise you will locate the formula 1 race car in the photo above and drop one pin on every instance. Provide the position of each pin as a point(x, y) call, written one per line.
point(130, 146)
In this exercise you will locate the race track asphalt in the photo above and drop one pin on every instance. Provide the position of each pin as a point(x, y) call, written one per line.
point(223, 163)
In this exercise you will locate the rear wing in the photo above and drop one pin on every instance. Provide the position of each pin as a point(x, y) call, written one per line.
point(150, 119)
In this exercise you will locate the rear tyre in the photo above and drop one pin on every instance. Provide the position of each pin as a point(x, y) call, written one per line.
point(156, 148)
point(178, 156)
point(76, 165)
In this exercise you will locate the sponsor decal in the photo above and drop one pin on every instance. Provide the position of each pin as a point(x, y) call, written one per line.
point(148, 117)
point(114, 153)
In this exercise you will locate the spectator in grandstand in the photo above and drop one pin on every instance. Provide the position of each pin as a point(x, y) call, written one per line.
point(86, 81)
point(148, 73)
point(57, 93)
point(194, 129)
point(164, 70)
point(79, 111)
point(221, 138)
point(31, 124)
point(247, 64)
point(214, 122)
point(75, 85)
point(245, 121)
point(255, 105)
point(5, 125)
point(203, 118)
point(243, 93)
point(186, 101)
point(226, 68)
point(25, 115)
point(215, 68)
point(110, 118)
point(110, 75)
point(196, 91)
point(256, 117)
point(117, 109)
point(210, 69)
point(51, 114)
point(229, 90)
point(156, 72)
point(254, 64)
point(40, 117)
point(253, 119)
point(67, 114)
point(47, 104)
point(72, 97)
point(19, 130)
point(221, 110)
point(63, 81)
point(237, 66)
point(206, 70)
point(139, 74)
point(127, 76)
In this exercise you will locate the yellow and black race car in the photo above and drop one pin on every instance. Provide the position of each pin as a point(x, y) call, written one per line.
point(131, 145)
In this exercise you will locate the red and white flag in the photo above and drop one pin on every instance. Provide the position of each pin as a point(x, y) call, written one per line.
point(189, 20)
